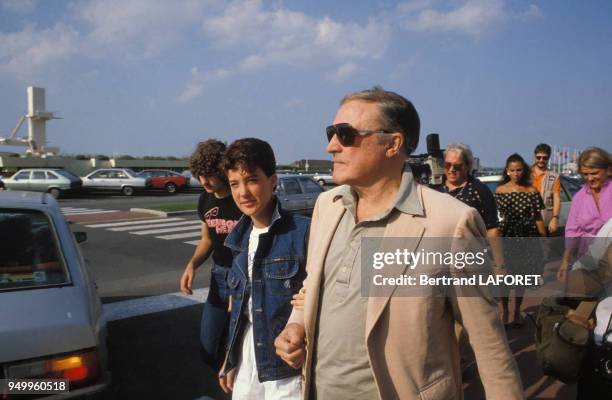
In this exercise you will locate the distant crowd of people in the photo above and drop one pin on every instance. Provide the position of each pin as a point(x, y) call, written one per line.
point(285, 317)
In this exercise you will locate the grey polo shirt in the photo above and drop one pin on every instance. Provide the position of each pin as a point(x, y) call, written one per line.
point(341, 368)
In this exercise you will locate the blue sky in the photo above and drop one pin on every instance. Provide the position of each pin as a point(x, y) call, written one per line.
point(146, 77)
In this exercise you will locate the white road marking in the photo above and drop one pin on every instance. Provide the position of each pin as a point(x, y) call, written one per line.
point(153, 304)
point(180, 236)
point(81, 210)
point(140, 221)
point(166, 230)
point(89, 212)
point(159, 225)
point(193, 242)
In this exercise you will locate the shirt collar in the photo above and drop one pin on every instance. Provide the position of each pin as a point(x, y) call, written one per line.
point(605, 185)
point(407, 199)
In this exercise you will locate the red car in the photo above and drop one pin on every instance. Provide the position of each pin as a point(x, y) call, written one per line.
point(163, 179)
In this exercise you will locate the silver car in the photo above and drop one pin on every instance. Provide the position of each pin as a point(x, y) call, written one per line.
point(297, 193)
point(193, 181)
point(52, 325)
point(55, 181)
point(323, 179)
point(116, 179)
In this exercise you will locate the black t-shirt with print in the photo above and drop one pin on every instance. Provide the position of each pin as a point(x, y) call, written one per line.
point(220, 215)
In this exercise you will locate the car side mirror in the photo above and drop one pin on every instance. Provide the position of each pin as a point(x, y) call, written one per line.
point(80, 237)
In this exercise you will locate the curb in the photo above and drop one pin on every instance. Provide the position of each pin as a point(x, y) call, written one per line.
point(163, 213)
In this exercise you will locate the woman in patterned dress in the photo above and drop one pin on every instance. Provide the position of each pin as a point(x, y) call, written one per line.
point(519, 205)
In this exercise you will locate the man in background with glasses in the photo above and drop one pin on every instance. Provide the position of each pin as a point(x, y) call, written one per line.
point(392, 346)
point(548, 184)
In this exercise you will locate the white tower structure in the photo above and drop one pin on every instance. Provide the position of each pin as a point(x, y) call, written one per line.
point(37, 117)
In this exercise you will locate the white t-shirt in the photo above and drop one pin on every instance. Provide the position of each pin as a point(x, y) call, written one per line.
point(253, 244)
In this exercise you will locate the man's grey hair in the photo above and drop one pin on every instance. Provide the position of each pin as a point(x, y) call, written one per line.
point(463, 151)
point(396, 113)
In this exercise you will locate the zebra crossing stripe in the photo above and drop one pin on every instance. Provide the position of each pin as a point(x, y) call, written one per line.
point(166, 230)
point(88, 212)
point(136, 222)
point(193, 242)
point(162, 225)
point(180, 236)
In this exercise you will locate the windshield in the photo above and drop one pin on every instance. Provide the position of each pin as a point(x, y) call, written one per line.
point(67, 174)
point(572, 184)
point(29, 253)
point(130, 172)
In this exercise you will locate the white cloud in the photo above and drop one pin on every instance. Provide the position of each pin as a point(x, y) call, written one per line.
point(195, 86)
point(473, 17)
point(343, 72)
point(139, 28)
point(532, 12)
point(283, 36)
point(24, 53)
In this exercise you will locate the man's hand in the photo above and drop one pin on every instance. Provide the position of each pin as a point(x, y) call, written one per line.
point(553, 225)
point(298, 299)
point(290, 345)
point(187, 279)
point(562, 272)
point(227, 382)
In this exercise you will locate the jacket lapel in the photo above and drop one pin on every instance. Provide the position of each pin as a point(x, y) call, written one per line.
point(326, 223)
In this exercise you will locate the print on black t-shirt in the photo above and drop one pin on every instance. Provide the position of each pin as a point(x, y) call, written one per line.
point(220, 216)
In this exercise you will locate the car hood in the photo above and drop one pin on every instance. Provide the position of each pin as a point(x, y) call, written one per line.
point(40, 322)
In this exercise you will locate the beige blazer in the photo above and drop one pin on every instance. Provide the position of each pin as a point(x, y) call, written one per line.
point(410, 341)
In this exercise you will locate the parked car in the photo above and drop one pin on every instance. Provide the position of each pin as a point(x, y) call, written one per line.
point(116, 179)
point(55, 181)
point(193, 182)
point(297, 193)
point(569, 187)
point(163, 179)
point(52, 324)
point(323, 179)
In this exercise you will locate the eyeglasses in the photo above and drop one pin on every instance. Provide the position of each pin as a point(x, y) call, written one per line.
point(541, 158)
point(457, 167)
point(346, 133)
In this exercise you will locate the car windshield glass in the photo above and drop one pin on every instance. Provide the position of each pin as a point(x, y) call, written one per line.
point(572, 184)
point(67, 174)
point(29, 253)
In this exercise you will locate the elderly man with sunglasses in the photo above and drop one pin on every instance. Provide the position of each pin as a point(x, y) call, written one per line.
point(548, 184)
point(388, 346)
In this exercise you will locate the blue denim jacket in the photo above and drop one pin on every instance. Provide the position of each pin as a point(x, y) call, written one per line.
point(279, 267)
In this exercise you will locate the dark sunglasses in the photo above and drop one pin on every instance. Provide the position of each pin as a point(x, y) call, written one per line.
point(541, 157)
point(457, 167)
point(346, 133)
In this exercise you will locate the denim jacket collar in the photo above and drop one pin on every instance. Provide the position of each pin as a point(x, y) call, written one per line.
point(238, 239)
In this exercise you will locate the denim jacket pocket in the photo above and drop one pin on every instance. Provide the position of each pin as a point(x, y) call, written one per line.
point(233, 279)
point(281, 275)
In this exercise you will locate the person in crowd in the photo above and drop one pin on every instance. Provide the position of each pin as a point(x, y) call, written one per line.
point(547, 182)
point(519, 205)
point(591, 205)
point(587, 239)
point(269, 249)
point(461, 184)
point(219, 214)
point(389, 347)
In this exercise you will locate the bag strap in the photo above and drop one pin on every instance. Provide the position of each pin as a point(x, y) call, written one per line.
point(582, 314)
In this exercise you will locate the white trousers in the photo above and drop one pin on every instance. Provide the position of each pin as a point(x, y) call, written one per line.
point(247, 385)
